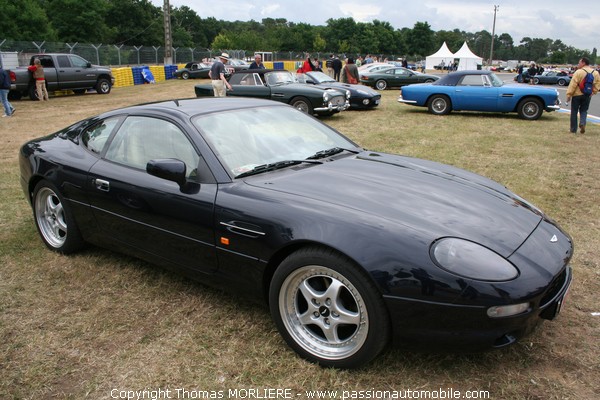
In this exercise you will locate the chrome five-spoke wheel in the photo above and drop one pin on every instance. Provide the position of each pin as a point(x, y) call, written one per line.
point(327, 308)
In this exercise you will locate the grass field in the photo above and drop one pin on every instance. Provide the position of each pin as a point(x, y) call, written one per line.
point(99, 323)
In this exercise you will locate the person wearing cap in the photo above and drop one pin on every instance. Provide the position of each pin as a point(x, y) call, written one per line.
point(217, 74)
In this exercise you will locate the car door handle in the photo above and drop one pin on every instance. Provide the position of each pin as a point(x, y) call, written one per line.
point(101, 184)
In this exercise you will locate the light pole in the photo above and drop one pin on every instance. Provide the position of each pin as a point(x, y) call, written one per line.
point(493, 34)
point(168, 35)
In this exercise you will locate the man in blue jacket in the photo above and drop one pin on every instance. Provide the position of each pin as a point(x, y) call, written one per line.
point(9, 110)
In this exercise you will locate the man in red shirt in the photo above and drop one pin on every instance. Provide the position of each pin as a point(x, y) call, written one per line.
point(40, 81)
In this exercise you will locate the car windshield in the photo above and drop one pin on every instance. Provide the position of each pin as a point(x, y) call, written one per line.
point(277, 78)
point(496, 82)
point(247, 138)
point(320, 77)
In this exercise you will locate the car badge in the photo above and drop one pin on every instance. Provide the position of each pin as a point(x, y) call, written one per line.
point(554, 239)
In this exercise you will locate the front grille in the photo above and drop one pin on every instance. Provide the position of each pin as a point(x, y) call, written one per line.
point(338, 100)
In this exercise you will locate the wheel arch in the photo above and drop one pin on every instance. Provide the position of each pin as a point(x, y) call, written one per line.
point(530, 97)
point(281, 254)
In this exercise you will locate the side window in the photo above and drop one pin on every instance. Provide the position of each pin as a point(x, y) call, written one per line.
point(95, 138)
point(46, 61)
point(401, 72)
point(63, 61)
point(472, 80)
point(141, 139)
point(78, 62)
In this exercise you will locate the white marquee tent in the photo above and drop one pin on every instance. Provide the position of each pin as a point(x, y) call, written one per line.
point(467, 59)
point(442, 55)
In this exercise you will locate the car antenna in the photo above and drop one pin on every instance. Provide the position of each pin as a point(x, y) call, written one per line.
point(176, 102)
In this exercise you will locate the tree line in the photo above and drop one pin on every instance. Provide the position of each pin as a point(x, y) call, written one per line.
point(139, 22)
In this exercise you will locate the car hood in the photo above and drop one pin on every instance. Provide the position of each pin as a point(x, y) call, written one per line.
point(434, 199)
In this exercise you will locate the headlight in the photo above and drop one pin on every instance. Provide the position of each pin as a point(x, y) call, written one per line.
point(347, 94)
point(471, 260)
point(325, 97)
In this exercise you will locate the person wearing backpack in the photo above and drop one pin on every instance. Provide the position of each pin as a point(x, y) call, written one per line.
point(584, 84)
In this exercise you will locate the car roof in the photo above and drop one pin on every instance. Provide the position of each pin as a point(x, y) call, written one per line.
point(259, 71)
point(195, 106)
point(452, 78)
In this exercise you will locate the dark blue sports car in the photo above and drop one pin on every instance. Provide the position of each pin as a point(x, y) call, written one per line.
point(351, 249)
point(480, 91)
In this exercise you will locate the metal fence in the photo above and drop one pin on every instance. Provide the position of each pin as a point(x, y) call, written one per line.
point(121, 55)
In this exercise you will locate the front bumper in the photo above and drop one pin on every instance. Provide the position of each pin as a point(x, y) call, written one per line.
point(433, 326)
point(332, 108)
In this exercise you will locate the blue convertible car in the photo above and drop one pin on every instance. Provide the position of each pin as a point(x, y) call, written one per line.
point(480, 91)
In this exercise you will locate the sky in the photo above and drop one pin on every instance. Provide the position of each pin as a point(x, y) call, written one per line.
point(571, 22)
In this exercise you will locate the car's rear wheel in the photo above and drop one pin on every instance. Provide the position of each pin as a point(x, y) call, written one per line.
point(428, 80)
point(302, 104)
point(439, 104)
point(54, 220)
point(530, 109)
point(103, 86)
point(381, 84)
point(327, 309)
point(536, 81)
point(562, 82)
point(185, 75)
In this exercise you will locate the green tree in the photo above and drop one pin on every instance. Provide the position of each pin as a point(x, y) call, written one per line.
point(25, 20)
point(319, 43)
point(148, 27)
point(223, 41)
point(421, 39)
point(80, 21)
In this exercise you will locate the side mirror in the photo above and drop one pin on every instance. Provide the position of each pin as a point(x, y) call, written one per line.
point(168, 168)
point(88, 65)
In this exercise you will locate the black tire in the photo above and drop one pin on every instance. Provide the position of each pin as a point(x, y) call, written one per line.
point(327, 309)
point(530, 109)
point(14, 95)
point(439, 104)
point(381, 84)
point(429, 80)
point(562, 82)
point(103, 86)
point(302, 104)
point(54, 220)
point(185, 75)
point(536, 81)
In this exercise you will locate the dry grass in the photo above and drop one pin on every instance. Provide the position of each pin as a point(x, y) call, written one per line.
point(80, 326)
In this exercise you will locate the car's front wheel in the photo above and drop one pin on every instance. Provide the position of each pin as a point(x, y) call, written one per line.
point(185, 75)
point(302, 104)
point(536, 81)
point(54, 220)
point(381, 84)
point(327, 309)
point(530, 109)
point(103, 86)
point(439, 104)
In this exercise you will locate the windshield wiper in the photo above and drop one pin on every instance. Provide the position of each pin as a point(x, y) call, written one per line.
point(259, 169)
point(329, 152)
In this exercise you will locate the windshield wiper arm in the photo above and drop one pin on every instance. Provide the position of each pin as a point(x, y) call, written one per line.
point(329, 152)
point(259, 169)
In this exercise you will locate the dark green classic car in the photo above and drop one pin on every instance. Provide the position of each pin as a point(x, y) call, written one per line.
point(395, 77)
point(281, 85)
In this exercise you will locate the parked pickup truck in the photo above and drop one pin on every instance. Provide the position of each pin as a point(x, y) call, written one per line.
point(62, 72)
